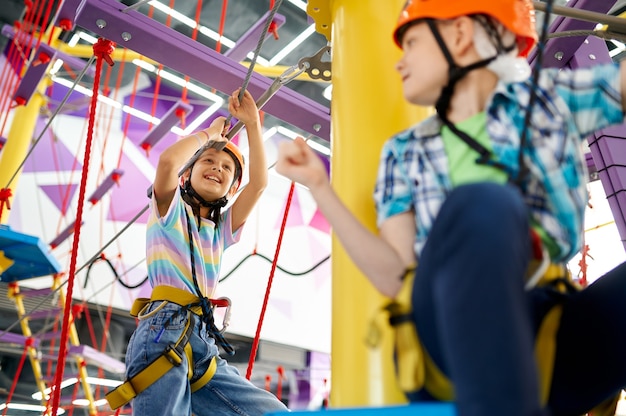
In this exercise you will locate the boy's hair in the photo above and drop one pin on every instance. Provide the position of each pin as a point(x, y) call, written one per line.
point(518, 16)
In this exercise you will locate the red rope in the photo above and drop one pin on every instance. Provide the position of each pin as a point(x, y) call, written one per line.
point(218, 46)
point(255, 344)
point(18, 371)
point(5, 195)
point(102, 49)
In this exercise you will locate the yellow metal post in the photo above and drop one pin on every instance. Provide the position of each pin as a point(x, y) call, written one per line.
point(17, 145)
point(367, 107)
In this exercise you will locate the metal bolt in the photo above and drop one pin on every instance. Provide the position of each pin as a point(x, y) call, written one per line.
point(559, 56)
point(317, 126)
point(126, 36)
point(592, 57)
point(101, 23)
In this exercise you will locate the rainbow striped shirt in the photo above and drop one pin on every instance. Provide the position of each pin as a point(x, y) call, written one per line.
point(167, 247)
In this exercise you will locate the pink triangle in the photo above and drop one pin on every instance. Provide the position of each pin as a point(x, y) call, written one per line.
point(59, 194)
point(294, 216)
point(319, 222)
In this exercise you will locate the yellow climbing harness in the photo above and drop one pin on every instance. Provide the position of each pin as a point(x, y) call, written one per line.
point(415, 369)
point(172, 356)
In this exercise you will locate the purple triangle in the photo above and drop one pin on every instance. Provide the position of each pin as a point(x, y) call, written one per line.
point(60, 195)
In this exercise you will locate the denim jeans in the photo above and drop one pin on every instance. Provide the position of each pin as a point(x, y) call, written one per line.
point(228, 393)
point(478, 323)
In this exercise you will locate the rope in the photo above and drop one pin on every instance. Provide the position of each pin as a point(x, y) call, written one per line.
point(523, 169)
point(27, 345)
point(246, 81)
point(102, 50)
point(52, 117)
point(255, 344)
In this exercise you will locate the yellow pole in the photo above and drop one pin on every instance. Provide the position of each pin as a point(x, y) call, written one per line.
point(17, 145)
point(367, 108)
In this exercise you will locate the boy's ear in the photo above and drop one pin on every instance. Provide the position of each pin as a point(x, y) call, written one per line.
point(464, 34)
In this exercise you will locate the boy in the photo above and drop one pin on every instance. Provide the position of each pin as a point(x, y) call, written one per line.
point(456, 196)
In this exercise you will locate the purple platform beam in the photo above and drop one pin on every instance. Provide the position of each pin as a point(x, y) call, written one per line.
point(608, 148)
point(72, 61)
point(169, 120)
point(249, 40)
point(107, 19)
point(34, 74)
point(97, 358)
point(3, 140)
point(106, 184)
point(593, 51)
point(558, 51)
point(11, 338)
point(63, 235)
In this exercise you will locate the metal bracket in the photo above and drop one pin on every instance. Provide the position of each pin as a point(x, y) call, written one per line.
point(315, 67)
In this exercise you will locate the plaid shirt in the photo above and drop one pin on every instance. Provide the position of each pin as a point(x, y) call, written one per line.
point(414, 176)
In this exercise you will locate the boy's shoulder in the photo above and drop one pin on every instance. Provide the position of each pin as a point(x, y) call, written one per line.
point(423, 129)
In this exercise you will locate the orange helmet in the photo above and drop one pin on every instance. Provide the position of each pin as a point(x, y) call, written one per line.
point(518, 16)
point(232, 149)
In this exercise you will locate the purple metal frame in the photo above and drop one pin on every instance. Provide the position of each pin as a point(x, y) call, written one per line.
point(607, 146)
point(248, 41)
point(156, 41)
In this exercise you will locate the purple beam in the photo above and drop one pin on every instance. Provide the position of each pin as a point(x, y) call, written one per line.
point(592, 52)
point(34, 74)
point(169, 120)
point(97, 358)
point(11, 338)
point(63, 235)
point(162, 44)
point(72, 61)
point(249, 40)
point(106, 184)
point(608, 148)
point(558, 51)
point(3, 140)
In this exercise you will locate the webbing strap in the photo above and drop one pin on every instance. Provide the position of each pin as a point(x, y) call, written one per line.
point(170, 357)
point(206, 377)
point(545, 350)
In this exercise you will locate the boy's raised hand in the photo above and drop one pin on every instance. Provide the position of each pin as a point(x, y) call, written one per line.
point(298, 162)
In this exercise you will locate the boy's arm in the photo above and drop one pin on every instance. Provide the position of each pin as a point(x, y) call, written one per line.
point(247, 112)
point(174, 157)
point(382, 258)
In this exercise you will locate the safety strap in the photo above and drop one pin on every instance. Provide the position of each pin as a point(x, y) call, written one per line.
point(416, 370)
point(172, 356)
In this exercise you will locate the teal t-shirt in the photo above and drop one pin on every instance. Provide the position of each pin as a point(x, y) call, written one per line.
point(464, 169)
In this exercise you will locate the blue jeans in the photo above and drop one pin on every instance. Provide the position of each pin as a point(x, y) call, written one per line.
point(228, 393)
point(478, 323)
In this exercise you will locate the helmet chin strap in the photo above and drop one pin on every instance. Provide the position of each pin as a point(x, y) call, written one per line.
point(456, 73)
point(193, 198)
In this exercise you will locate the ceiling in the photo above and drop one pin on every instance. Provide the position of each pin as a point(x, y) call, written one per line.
point(239, 17)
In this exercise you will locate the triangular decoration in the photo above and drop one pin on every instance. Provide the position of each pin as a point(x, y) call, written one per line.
point(60, 195)
point(294, 216)
point(319, 222)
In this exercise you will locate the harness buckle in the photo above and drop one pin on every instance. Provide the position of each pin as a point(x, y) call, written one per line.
point(173, 355)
